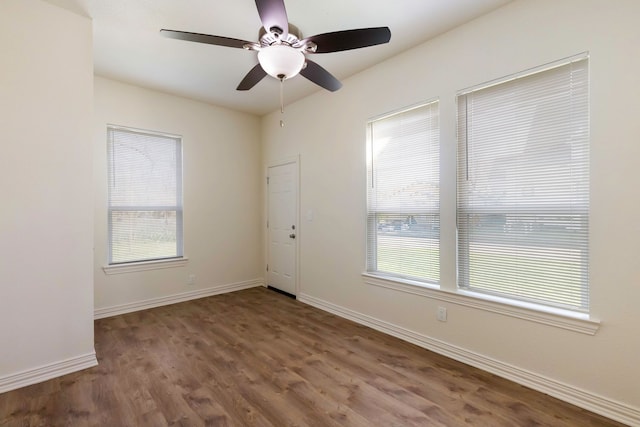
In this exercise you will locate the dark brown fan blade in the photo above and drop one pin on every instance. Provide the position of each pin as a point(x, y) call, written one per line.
point(204, 38)
point(273, 14)
point(349, 39)
point(252, 78)
point(320, 76)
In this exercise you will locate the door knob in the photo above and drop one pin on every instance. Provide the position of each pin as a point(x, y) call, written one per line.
point(293, 236)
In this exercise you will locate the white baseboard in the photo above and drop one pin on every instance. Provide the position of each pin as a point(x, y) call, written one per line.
point(47, 372)
point(581, 398)
point(100, 313)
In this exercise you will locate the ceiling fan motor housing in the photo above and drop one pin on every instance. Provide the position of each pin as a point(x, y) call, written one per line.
point(269, 38)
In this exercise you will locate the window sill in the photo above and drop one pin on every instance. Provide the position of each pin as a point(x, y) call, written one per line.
point(564, 319)
point(133, 267)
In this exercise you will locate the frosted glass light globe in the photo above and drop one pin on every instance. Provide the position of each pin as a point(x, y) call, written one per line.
point(281, 61)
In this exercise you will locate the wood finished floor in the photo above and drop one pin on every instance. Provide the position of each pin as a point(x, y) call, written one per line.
point(256, 357)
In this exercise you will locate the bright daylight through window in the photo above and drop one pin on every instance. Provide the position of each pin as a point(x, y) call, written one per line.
point(145, 195)
point(403, 226)
point(523, 187)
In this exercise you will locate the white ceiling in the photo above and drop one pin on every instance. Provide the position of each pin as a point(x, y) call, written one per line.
point(128, 47)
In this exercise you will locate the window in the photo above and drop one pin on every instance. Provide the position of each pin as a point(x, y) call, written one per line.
point(523, 187)
point(403, 226)
point(145, 195)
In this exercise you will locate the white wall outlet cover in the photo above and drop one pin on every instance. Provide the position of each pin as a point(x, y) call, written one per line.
point(442, 314)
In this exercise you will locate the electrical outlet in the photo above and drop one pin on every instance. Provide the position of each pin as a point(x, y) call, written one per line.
point(442, 314)
point(191, 279)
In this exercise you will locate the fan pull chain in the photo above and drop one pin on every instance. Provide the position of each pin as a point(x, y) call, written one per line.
point(282, 95)
point(281, 100)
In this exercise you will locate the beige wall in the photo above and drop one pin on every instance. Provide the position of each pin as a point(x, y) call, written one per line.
point(221, 180)
point(328, 131)
point(51, 196)
point(46, 213)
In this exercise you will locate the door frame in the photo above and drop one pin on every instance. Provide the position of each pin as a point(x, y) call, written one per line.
point(274, 163)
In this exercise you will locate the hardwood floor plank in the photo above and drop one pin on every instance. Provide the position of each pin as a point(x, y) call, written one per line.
point(257, 358)
point(211, 412)
point(154, 418)
point(316, 392)
point(271, 386)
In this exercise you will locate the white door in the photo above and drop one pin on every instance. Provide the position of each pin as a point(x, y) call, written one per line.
point(282, 183)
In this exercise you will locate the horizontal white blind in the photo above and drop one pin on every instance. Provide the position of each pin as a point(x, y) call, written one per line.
point(403, 227)
point(145, 196)
point(523, 187)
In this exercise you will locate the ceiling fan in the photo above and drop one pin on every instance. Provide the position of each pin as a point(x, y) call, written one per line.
point(281, 52)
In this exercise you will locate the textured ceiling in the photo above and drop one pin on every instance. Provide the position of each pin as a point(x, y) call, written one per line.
point(128, 47)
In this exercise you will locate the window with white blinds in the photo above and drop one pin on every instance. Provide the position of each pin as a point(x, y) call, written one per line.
point(403, 226)
point(145, 195)
point(523, 187)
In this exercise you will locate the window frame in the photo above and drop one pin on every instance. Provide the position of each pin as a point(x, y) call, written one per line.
point(154, 262)
point(448, 291)
point(371, 264)
point(579, 210)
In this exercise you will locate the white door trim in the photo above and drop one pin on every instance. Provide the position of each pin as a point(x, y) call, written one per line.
point(273, 163)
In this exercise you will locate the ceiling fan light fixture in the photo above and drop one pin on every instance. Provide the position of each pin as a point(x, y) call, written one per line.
point(282, 50)
point(281, 61)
